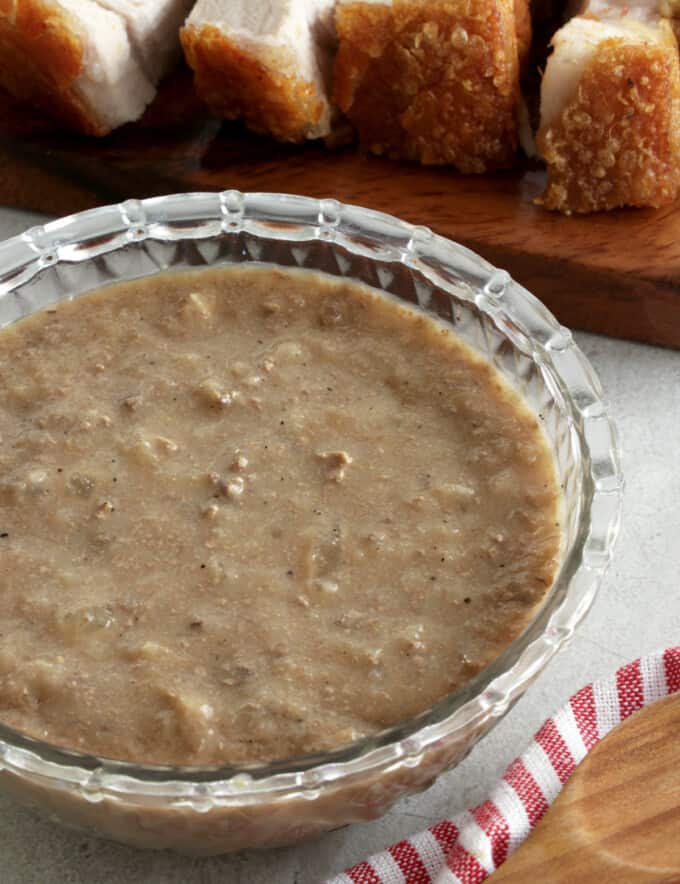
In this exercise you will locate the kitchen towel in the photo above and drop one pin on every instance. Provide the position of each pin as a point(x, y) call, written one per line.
point(469, 847)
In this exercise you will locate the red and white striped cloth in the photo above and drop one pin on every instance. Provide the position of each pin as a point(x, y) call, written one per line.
point(472, 845)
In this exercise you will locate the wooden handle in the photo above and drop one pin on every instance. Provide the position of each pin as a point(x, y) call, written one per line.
point(618, 818)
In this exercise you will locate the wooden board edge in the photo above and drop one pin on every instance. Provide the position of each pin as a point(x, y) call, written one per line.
point(626, 306)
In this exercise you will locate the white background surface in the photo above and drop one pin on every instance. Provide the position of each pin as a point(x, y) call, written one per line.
point(637, 611)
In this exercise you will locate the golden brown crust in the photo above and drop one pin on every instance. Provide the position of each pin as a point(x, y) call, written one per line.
point(41, 57)
point(670, 9)
point(523, 29)
point(237, 83)
point(435, 81)
point(675, 24)
point(618, 142)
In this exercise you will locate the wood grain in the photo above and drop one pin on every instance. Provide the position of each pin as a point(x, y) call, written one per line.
point(616, 273)
point(618, 817)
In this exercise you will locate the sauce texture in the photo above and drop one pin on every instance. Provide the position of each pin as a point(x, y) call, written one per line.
point(248, 514)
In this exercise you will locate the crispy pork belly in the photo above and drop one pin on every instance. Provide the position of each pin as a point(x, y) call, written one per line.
point(76, 60)
point(435, 81)
point(610, 113)
point(266, 62)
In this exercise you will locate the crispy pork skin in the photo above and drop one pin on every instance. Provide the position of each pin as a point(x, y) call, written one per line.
point(610, 115)
point(435, 81)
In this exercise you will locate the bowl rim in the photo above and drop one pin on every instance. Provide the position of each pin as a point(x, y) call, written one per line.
point(370, 234)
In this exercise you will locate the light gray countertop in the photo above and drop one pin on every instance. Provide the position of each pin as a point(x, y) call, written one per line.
point(637, 611)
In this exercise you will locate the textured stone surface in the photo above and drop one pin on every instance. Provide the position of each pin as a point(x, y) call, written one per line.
point(637, 611)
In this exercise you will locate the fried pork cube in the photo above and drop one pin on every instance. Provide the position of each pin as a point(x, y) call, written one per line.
point(268, 63)
point(435, 81)
point(610, 113)
point(93, 65)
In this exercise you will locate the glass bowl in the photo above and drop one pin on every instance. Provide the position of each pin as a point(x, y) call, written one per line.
point(218, 809)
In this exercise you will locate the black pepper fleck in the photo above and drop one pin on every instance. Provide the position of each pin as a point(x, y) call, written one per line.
point(467, 600)
point(4, 534)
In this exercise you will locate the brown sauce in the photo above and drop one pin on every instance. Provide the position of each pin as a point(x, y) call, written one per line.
point(252, 513)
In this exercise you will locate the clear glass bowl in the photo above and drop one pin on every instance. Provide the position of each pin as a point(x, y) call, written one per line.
point(213, 810)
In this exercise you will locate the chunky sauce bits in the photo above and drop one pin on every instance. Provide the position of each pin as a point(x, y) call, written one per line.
point(248, 514)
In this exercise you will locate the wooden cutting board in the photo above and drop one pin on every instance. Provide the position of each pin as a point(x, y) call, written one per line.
point(616, 273)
